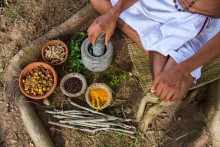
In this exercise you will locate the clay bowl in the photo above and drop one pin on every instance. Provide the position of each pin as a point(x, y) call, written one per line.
point(27, 69)
point(51, 43)
point(102, 86)
point(72, 84)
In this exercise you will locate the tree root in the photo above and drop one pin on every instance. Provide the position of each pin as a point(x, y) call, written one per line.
point(30, 54)
point(213, 112)
point(153, 111)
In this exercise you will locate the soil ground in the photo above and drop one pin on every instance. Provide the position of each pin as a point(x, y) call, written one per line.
point(21, 22)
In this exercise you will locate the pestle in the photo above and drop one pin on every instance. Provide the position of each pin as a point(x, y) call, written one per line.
point(99, 46)
point(99, 57)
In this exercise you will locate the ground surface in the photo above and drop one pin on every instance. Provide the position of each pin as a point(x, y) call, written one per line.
point(21, 22)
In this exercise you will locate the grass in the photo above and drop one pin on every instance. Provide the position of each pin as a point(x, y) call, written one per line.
point(11, 12)
point(190, 133)
point(116, 140)
point(114, 80)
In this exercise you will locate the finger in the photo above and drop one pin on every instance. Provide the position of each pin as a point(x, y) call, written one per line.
point(107, 37)
point(92, 29)
point(94, 36)
point(154, 85)
point(174, 97)
point(159, 90)
point(169, 96)
point(89, 32)
point(163, 94)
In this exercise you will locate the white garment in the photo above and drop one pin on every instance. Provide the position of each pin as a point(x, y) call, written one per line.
point(163, 29)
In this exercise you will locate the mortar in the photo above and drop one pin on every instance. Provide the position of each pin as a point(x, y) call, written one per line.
point(99, 57)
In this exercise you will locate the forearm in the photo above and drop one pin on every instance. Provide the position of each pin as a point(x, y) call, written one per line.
point(121, 6)
point(208, 52)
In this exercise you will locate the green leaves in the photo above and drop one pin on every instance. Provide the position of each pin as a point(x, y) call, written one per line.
point(114, 80)
point(75, 63)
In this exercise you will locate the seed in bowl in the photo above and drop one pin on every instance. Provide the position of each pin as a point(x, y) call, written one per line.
point(55, 53)
point(38, 81)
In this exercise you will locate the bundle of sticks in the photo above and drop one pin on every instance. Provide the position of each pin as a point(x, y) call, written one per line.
point(88, 120)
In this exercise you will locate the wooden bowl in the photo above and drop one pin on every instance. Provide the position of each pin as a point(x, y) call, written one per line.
point(27, 69)
point(102, 86)
point(69, 76)
point(51, 43)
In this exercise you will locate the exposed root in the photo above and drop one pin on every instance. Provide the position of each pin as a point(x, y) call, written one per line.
point(153, 111)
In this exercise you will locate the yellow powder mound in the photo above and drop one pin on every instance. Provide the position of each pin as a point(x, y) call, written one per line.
point(99, 97)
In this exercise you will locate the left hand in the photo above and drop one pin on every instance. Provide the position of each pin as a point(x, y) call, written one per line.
point(172, 84)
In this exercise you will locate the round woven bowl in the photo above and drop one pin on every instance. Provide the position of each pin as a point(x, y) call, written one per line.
point(69, 76)
point(27, 69)
point(99, 85)
point(51, 43)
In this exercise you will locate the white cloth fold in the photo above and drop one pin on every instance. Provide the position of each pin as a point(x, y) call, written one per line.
point(193, 45)
point(163, 29)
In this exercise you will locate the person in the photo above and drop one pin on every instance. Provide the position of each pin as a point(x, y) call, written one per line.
point(180, 36)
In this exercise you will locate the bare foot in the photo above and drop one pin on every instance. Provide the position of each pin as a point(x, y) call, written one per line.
point(158, 62)
point(172, 83)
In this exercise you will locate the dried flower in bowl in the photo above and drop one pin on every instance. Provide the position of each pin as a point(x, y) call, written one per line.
point(38, 80)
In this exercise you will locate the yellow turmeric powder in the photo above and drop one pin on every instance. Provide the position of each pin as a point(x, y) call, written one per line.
point(99, 97)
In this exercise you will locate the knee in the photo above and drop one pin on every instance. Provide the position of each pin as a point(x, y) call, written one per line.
point(98, 2)
point(94, 2)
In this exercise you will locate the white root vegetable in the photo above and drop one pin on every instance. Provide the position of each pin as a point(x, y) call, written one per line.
point(55, 53)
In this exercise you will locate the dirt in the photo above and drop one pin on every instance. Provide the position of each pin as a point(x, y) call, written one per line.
point(23, 21)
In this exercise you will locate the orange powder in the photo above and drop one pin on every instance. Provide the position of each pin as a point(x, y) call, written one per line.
point(99, 97)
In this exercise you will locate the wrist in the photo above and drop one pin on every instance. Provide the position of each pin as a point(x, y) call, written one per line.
point(114, 13)
point(183, 68)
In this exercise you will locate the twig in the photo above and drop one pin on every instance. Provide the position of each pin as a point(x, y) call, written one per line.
point(122, 109)
point(61, 116)
point(62, 112)
point(91, 121)
point(92, 111)
point(91, 124)
point(119, 125)
point(85, 120)
point(114, 129)
point(71, 127)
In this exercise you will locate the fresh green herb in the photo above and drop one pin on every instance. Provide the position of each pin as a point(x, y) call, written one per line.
point(114, 80)
point(74, 62)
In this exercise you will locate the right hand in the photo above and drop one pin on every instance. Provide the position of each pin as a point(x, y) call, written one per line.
point(105, 23)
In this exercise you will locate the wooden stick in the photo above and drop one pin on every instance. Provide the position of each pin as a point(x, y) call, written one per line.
point(119, 125)
point(126, 132)
point(85, 120)
point(92, 111)
point(90, 124)
point(71, 127)
point(114, 129)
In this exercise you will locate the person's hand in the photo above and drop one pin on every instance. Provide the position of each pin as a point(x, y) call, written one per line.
point(105, 23)
point(172, 84)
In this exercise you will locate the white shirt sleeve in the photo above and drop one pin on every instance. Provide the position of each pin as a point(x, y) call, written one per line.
point(193, 45)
